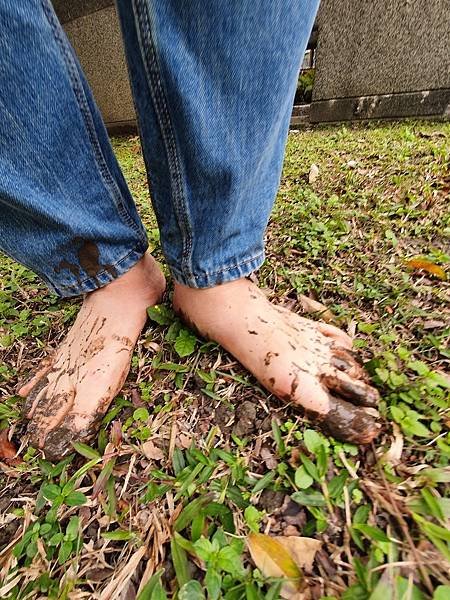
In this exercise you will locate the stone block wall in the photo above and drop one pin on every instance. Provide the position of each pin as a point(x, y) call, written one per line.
point(375, 59)
point(382, 59)
point(93, 29)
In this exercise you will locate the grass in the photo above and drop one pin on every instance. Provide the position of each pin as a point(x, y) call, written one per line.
point(193, 457)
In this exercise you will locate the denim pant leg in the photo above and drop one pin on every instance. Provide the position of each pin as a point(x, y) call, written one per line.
point(65, 209)
point(214, 84)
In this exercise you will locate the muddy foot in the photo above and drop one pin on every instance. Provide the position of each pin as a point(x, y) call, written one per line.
point(301, 361)
point(72, 390)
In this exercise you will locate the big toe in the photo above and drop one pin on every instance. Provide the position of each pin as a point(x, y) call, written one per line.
point(348, 423)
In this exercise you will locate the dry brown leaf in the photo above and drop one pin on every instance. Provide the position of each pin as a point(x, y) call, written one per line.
point(301, 549)
point(311, 306)
point(313, 173)
point(7, 449)
point(116, 433)
point(283, 557)
point(268, 458)
point(433, 324)
point(151, 451)
point(185, 440)
point(422, 264)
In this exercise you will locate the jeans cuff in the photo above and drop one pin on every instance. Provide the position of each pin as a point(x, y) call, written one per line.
point(115, 270)
point(224, 275)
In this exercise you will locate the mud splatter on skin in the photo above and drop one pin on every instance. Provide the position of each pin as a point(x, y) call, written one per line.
point(345, 360)
point(357, 391)
point(123, 339)
point(269, 356)
point(346, 422)
point(58, 442)
point(272, 381)
point(251, 332)
point(262, 320)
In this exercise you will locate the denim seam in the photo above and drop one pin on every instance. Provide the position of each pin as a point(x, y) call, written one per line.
point(225, 269)
point(77, 88)
point(157, 93)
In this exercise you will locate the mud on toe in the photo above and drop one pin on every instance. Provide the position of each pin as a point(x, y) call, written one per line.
point(58, 442)
point(347, 422)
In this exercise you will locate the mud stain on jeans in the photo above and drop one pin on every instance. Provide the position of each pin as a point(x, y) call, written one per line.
point(65, 264)
point(88, 261)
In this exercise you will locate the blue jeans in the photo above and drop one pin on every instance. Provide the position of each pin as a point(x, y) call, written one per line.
point(213, 84)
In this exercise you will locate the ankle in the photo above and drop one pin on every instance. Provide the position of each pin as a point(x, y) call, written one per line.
point(143, 284)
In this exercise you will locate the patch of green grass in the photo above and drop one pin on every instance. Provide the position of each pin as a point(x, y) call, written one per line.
point(194, 456)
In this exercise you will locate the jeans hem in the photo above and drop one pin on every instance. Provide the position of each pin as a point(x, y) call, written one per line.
point(116, 270)
point(224, 275)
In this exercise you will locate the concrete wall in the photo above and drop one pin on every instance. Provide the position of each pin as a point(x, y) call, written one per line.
point(382, 58)
point(93, 29)
point(375, 59)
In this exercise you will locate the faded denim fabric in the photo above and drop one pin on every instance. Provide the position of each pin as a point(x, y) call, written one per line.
point(213, 84)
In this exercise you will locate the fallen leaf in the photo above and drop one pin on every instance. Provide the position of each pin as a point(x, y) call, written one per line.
point(394, 453)
point(185, 440)
point(284, 557)
point(7, 449)
point(422, 264)
point(432, 324)
point(311, 306)
point(268, 458)
point(313, 173)
point(136, 398)
point(273, 560)
point(116, 433)
point(301, 549)
point(151, 451)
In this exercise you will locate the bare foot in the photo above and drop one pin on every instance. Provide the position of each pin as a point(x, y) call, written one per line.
point(72, 390)
point(301, 361)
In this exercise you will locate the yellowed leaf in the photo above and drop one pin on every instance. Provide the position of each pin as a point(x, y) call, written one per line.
point(422, 264)
point(283, 557)
point(273, 560)
point(311, 306)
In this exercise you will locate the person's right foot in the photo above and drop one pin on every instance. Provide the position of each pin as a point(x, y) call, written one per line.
point(301, 361)
point(72, 390)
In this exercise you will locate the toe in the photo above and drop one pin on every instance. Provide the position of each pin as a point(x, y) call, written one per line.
point(43, 370)
point(49, 412)
point(303, 389)
point(339, 336)
point(35, 396)
point(357, 391)
point(348, 423)
point(346, 361)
